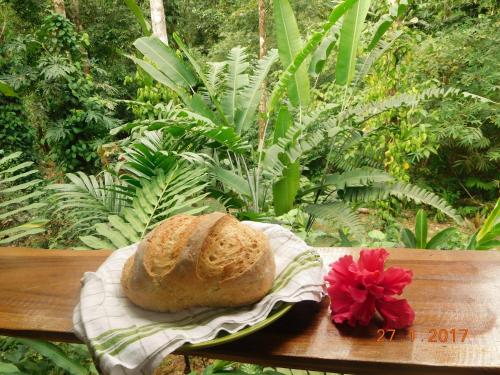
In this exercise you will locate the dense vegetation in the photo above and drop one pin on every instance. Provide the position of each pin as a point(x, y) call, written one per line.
point(341, 131)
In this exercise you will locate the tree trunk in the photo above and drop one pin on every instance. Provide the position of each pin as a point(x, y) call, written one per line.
point(158, 21)
point(75, 15)
point(59, 7)
point(262, 52)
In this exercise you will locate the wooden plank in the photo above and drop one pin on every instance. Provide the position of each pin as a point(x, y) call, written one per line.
point(451, 289)
point(39, 289)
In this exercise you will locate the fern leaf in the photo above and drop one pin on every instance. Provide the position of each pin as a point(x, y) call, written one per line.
point(364, 112)
point(236, 80)
point(367, 63)
point(214, 76)
point(19, 198)
point(339, 213)
point(289, 150)
point(357, 177)
point(97, 243)
point(400, 190)
point(89, 196)
point(250, 96)
point(166, 194)
point(420, 195)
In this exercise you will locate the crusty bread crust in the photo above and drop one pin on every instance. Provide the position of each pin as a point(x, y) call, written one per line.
point(192, 261)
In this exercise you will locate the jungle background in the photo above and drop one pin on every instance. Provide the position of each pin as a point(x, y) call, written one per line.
point(99, 141)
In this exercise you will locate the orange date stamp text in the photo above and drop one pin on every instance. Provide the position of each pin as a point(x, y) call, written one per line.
point(434, 335)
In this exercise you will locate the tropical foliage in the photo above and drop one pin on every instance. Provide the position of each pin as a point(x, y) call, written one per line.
point(488, 236)
point(20, 197)
point(153, 184)
point(419, 238)
point(266, 176)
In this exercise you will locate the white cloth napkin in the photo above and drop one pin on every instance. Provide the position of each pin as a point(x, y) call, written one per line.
point(129, 340)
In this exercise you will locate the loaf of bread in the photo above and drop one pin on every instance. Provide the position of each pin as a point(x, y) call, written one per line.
point(190, 261)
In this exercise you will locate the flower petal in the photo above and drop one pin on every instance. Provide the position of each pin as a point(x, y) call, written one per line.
point(395, 279)
point(353, 307)
point(362, 313)
point(372, 260)
point(340, 271)
point(397, 313)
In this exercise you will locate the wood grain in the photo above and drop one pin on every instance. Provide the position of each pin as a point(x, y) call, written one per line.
point(451, 289)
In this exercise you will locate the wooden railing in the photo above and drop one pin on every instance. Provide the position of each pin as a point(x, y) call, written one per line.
point(451, 290)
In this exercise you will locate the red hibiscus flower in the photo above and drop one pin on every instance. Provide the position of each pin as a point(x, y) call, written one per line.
point(356, 290)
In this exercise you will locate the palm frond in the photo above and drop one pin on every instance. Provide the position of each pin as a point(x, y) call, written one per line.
point(250, 96)
point(215, 72)
point(338, 213)
point(357, 177)
point(289, 149)
point(366, 111)
point(380, 191)
point(19, 197)
point(144, 157)
point(87, 199)
point(236, 80)
point(177, 191)
point(366, 64)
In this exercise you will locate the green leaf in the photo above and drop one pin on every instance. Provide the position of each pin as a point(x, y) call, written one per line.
point(289, 46)
point(236, 80)
point(339, 213)
point(421, 229)
point(114, 236)
point(19, 198)
point(145, 26)
point(232, 181)
point(400, 190)
point(160, 77)
point(490, 222)
point(179, 190)
point(96, 243)
point(357, 177)
point(489, 245)
point(283, 123)
point(408, 238)
point(30, 207)
point(166, 61)
point(289, 74)
point(55, 354)
point(86, 199)
point(349, 39)
point(21, 231)
point(250, 96)
point(209, 84)
point(23, 186)
point(286, 188)
point(8, 368)
point(6, 90)
point(199, 106)
point(319, 57)
point(385, 22)
point(472, 245)
point(441, 238)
